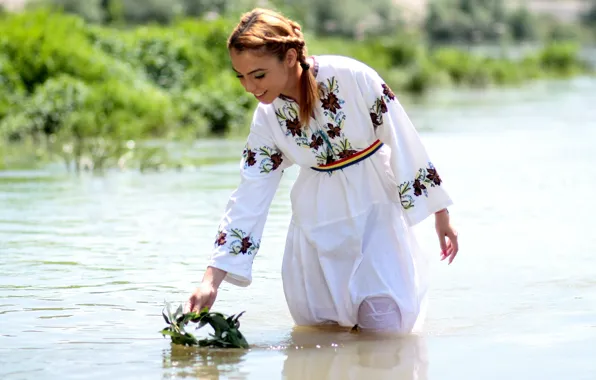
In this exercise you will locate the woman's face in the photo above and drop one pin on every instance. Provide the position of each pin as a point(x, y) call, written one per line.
point(264, 75)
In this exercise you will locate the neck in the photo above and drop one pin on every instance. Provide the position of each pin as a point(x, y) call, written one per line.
point(292, 90)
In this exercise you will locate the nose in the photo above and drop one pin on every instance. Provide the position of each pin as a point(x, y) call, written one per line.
point(249, 86)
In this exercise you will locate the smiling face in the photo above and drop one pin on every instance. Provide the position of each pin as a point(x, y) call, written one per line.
point(264, 75)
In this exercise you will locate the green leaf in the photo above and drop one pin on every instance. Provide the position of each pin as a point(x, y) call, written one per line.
point(165, 317)
point(179, 311)
point(225, 330)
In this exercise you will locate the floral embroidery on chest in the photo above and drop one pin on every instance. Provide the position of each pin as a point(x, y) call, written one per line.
point(324, 137)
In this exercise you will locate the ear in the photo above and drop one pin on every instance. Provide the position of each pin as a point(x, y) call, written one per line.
point(291, 57)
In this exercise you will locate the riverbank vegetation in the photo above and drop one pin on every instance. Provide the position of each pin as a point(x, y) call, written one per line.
point(93, 91)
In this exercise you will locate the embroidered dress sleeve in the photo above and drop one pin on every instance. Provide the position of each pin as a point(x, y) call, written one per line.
point(420, 187)
point(239, 234)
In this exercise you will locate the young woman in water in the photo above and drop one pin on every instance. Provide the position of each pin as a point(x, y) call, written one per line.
point(365, 180)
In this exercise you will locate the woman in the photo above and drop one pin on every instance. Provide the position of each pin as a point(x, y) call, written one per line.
point(365, 180)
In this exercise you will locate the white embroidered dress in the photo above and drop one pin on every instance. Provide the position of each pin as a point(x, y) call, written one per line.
point(350, 236)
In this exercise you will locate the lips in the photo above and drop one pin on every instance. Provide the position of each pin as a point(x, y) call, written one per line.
point(260, 95)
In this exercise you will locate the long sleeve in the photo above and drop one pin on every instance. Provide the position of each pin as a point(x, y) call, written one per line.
point(239, 234)
point(420, 187)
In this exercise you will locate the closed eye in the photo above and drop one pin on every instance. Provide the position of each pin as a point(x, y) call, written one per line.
point(260, 76)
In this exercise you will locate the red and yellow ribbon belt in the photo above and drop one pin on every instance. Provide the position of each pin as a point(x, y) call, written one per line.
point(351, 160)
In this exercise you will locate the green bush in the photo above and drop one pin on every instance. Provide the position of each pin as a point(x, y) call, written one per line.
point(43, 45)
point(51, 105)
point(560, 58)
point(12, 89)
point(589, 17)
point(86, 90)
point(222, 102)
point(163, 55)
point(89, 10)
point(145, 11)
point(523, 25)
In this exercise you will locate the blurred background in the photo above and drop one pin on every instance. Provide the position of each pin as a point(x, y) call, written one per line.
point(121, 131)
point(94, 83)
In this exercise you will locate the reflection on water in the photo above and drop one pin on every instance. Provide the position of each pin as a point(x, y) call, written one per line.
point(335, 355)
point(86, 262)
point(202, 363)
point(311, 354)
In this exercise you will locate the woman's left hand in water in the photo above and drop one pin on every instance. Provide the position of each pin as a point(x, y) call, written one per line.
point(447, 236)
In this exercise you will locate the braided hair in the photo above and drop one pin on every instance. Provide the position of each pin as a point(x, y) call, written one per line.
point(270, 32)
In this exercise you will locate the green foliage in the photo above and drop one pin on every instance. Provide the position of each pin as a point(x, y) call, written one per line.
point(589, 17)
point(446, 20)
point(221, 101)
point(348, 18)
point(12, 90)
point(523, 25)
point(92, 89)
point(94, 96)
point(478, 21)
point(123, 11)
point(200, 7)
point(89, 10)
point(145, 11)
point(560, 59)
point(226, 333)
point(43, 45)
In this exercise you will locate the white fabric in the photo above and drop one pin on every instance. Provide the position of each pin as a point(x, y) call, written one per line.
point(350, 236)
point(379, 314)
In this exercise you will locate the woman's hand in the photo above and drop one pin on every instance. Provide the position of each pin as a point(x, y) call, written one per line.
point(203, 296)
point(206, 293)
point(447, 235)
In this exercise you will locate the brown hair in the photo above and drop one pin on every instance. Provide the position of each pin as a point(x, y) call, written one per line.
point(270, 32)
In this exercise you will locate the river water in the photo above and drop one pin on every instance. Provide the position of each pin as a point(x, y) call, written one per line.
point(86, 262)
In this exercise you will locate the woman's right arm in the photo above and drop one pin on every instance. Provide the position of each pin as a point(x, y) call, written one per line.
point(214, 277)
point(206, 293)
point(239, 234)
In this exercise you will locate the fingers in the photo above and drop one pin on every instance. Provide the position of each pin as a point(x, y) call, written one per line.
point(192, 305)
point(454, 246)
point(443, 247)
point(196, 307)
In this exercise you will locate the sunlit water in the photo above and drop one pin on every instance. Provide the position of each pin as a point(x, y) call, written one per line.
point(86, 262)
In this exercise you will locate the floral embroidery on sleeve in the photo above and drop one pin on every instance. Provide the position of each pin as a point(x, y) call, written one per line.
point(268, 158)
point(240, 243)
point(271, 159)
point(425, 178)
point(249, 157)
point(380, 106)
point(387, 92)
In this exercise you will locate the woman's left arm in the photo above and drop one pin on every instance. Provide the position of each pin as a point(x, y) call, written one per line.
point(447, 235)
point(421, 189)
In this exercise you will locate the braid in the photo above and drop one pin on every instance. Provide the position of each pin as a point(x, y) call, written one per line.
point(288, 41)
point(248, 22)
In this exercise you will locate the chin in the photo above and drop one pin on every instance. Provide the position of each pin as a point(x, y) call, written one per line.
point(267, 100)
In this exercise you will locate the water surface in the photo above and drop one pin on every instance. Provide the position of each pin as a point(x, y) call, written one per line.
point(86, 262)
